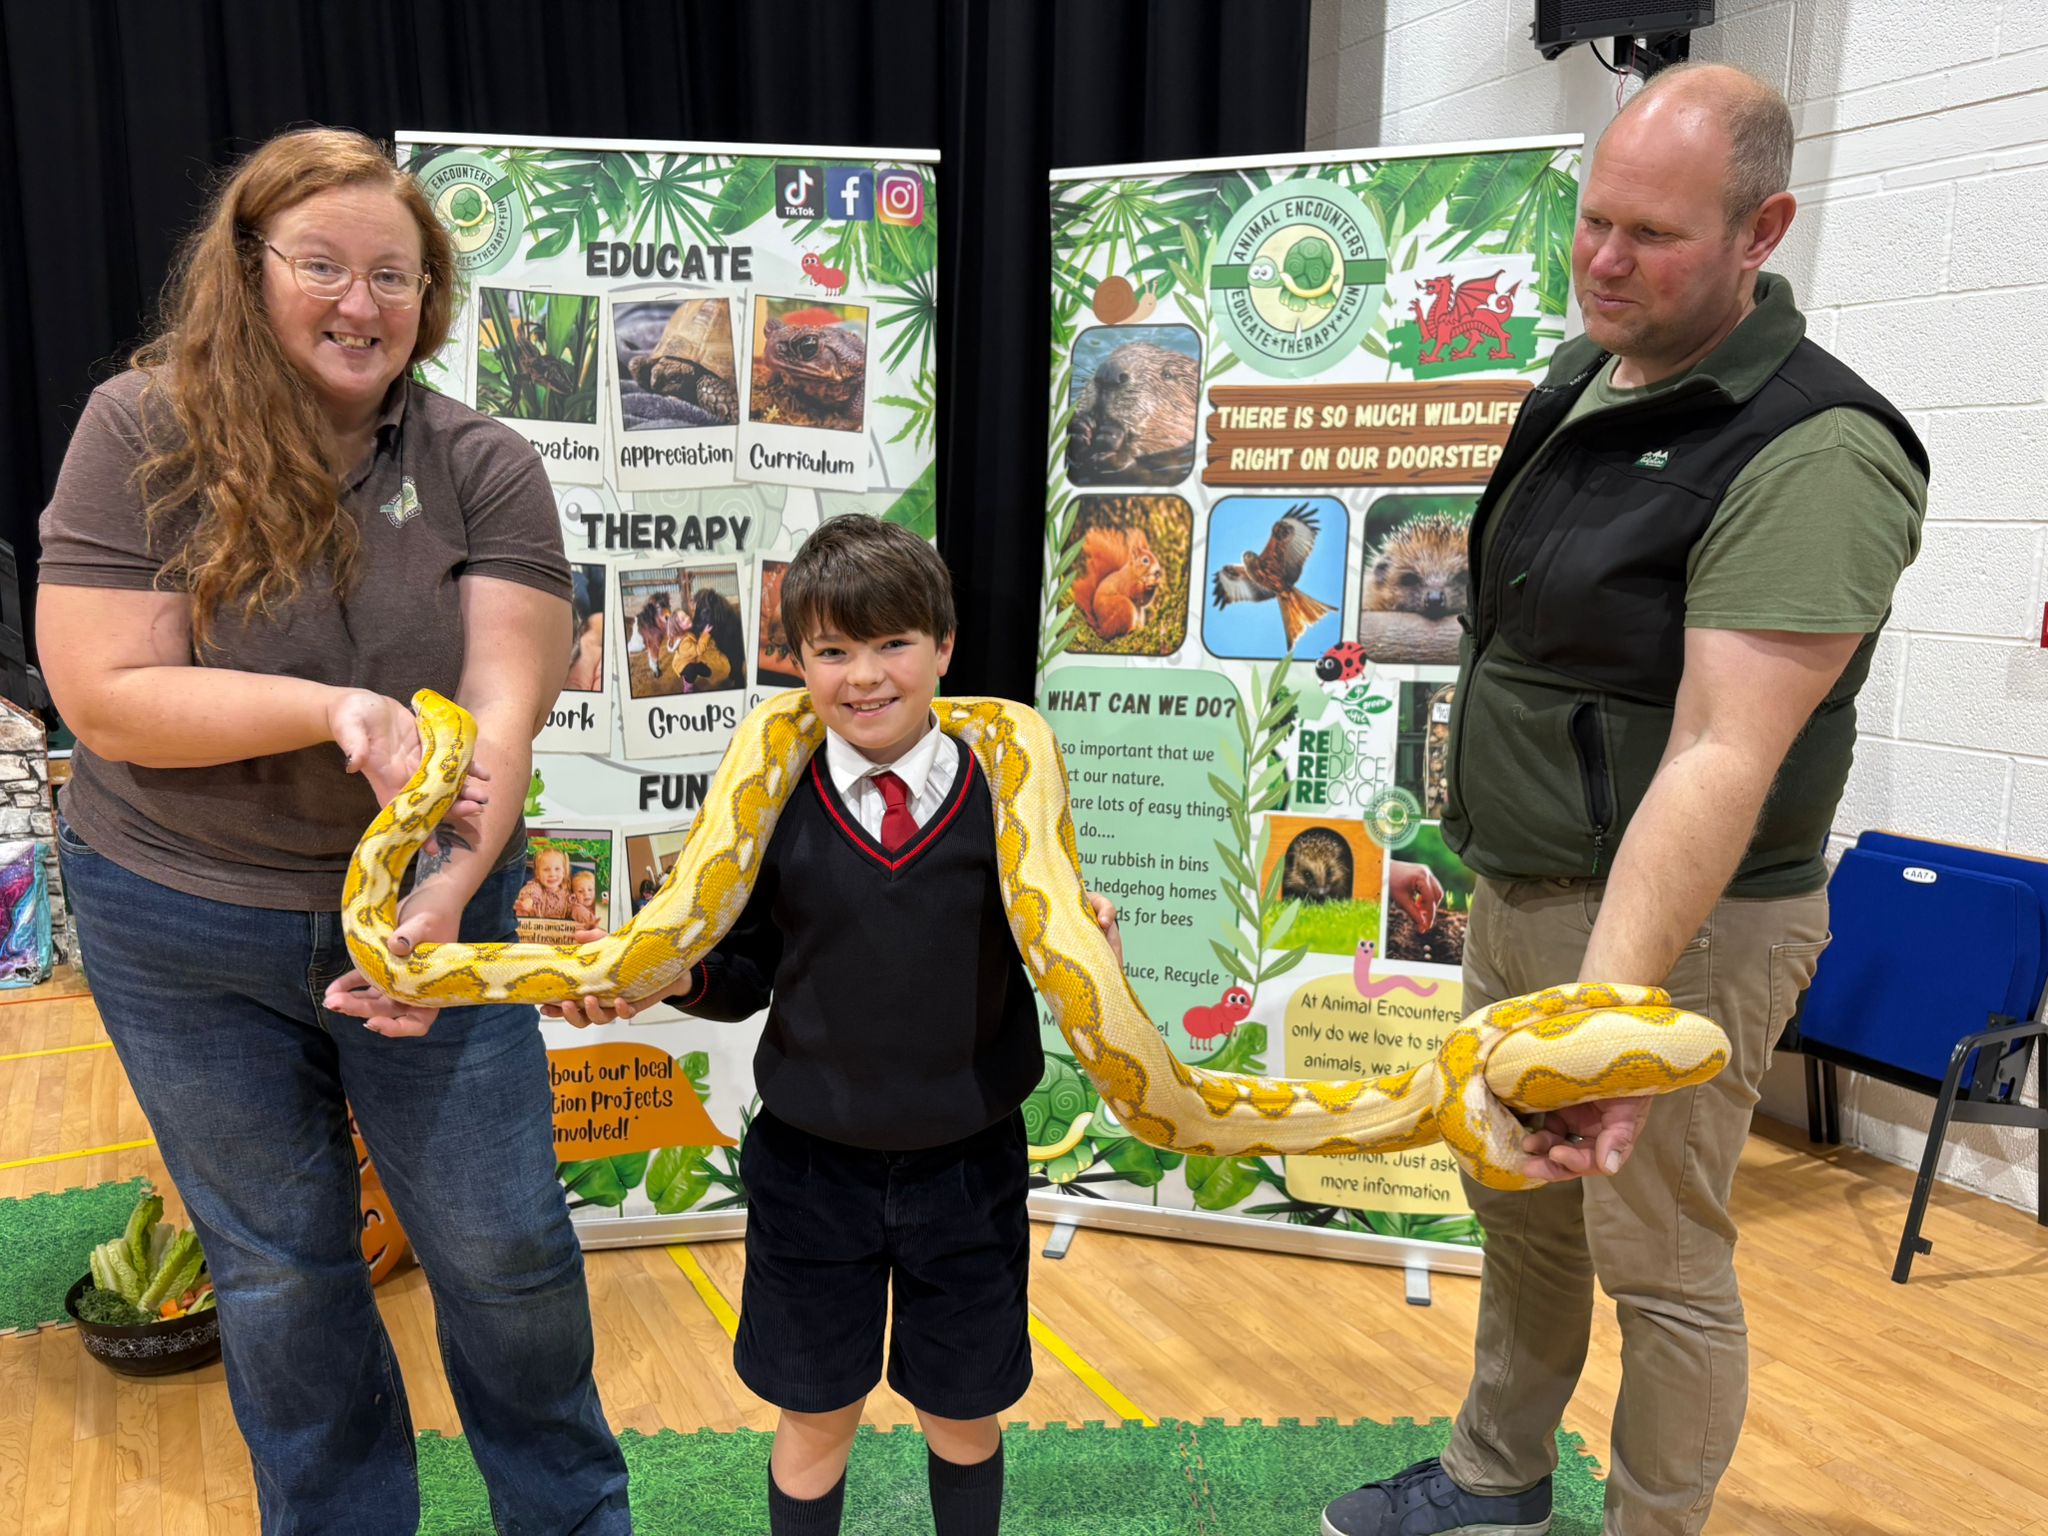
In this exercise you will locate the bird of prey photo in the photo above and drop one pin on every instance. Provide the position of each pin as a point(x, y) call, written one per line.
point(1271, 574)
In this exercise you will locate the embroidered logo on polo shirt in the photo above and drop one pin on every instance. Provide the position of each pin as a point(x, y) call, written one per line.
point(1656, 458)
point(404, 506)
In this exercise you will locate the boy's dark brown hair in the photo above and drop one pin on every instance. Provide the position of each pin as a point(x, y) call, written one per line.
point(859, 577)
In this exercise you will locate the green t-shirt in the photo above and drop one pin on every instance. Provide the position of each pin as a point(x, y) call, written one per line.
point(1813, 533)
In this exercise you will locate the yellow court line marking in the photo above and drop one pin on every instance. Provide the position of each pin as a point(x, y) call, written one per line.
point(60, 1050)
point(1090, 1377)
point(58, 1157)
point(706, 1288)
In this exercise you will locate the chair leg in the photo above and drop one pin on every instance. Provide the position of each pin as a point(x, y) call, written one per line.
point(1910, 1240)
point(1813, 1125)
point(1831, 1103)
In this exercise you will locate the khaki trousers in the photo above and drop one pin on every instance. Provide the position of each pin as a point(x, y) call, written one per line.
point(1657, 1236)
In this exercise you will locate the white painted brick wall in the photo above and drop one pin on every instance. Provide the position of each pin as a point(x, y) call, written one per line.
point(1994, 563)
point(1951, 349)
point(2001, 229)
point(1901, 786)
point(1843, 46)
point(1855, 250)
point(2025, 26)
point(1921, 256)
point(1987, 463)
point(1447, 53)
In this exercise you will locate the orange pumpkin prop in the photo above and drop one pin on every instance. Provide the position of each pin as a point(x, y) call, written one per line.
point(384, 1244)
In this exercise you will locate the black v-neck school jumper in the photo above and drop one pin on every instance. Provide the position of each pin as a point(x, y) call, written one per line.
point(899, 1014)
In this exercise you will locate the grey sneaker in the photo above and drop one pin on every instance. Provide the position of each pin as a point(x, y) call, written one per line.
point(1423, 1501)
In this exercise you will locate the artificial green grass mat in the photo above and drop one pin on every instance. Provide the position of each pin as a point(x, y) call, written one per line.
point(46, 1243)
point(1210, 1479)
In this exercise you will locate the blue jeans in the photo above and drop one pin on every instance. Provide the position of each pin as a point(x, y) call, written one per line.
point(247, 1080)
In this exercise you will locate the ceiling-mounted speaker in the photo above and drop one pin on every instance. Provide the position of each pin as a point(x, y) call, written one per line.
point(1561, 23)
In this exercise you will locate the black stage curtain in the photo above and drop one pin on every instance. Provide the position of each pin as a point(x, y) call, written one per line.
point(117, 113)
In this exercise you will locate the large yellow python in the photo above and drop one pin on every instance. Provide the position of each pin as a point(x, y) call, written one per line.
point(1545, 1051)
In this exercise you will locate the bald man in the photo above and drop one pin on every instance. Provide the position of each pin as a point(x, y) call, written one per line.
point(1685, 557)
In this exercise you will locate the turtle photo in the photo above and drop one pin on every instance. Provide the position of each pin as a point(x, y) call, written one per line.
point(693, 360)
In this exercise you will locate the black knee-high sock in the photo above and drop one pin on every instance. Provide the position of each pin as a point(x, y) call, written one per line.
point(967, 1501)
point(805, 1517)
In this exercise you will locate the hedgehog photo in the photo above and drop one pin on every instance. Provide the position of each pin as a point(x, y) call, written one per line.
point(1420, 567)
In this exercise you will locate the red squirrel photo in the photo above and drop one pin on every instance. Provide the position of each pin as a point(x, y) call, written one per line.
point(1119, 578)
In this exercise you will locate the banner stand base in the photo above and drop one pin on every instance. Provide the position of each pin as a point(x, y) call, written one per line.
point(658, 1231)
point(1407, 1253)
point(1418, 1284)
point(1067, 1215)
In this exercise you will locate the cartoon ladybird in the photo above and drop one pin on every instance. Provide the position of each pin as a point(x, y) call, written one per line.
point(1342, 667)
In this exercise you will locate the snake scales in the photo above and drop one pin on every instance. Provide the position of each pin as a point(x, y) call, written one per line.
point(1547, 1050)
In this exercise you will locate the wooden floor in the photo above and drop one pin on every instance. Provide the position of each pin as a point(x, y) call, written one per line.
point(1874, 1407)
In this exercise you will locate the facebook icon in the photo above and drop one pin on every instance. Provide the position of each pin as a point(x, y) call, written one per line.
point(849, 192)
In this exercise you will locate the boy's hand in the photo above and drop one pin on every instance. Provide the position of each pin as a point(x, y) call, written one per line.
point(1105, 917)
point(592, 1010)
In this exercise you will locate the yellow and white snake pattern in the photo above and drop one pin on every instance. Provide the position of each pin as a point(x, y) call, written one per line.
point(1550, 1049)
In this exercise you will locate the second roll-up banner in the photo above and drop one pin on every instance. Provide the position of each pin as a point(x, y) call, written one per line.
point(1278, 387)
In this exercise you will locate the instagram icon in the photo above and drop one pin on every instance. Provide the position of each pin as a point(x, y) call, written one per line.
point(899, 197)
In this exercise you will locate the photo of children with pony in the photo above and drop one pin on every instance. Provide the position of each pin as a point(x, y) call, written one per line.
point(683, 630)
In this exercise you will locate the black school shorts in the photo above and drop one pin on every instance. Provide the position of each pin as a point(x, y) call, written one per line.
point(830, 1228)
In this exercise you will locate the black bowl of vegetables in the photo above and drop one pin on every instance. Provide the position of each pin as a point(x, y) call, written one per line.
point(145, 1307)
point(148, 1348)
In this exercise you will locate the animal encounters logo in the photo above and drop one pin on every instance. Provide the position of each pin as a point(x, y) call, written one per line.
point(1298, 278)
point(404, 506)
point(1471, 316)
point(480, 207)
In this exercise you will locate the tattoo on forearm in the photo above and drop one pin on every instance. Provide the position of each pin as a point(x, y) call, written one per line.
point(431, 864)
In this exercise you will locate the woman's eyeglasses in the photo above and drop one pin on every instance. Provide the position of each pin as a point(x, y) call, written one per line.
point(319, 277)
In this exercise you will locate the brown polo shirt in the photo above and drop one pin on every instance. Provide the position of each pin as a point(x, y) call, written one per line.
point(445, 493)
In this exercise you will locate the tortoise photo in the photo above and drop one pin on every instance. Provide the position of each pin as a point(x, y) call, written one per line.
point(692, 362)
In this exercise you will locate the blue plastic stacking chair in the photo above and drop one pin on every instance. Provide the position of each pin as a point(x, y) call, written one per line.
point(1929, 938)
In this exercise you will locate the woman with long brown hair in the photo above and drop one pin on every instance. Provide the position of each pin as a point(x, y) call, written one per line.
point(265, 536)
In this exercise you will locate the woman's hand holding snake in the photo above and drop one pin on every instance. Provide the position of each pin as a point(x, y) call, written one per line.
point(380, 739)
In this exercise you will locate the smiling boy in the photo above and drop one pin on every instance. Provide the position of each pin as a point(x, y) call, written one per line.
point(902, 1040)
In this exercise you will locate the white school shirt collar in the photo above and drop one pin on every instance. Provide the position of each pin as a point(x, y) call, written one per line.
point(924, 770)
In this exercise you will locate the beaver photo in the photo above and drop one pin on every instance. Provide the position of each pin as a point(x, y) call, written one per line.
point(1134, 421)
